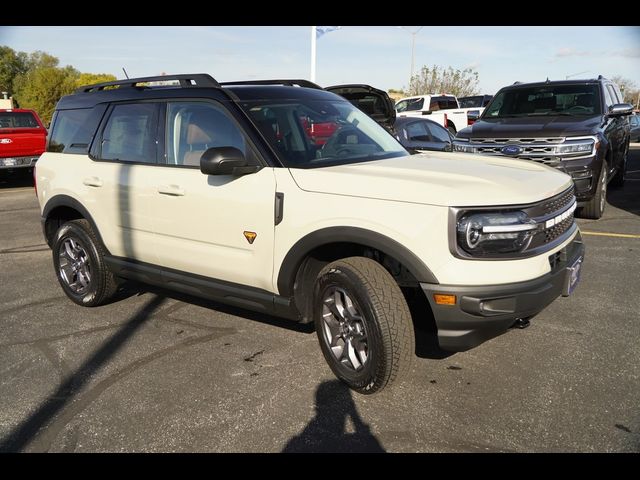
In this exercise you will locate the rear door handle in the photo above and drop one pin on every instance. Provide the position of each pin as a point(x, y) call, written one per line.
point(92, 182)
point(172, 190)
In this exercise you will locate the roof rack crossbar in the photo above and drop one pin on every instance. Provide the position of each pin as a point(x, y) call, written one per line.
point(290, 83)
point(185, 81)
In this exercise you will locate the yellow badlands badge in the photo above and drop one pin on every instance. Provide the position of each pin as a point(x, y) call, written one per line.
point(250, 236)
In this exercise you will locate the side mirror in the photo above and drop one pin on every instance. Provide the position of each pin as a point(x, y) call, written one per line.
point(620, 109)
point(225, 161)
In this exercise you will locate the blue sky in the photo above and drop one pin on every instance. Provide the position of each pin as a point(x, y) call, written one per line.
point(378, 55)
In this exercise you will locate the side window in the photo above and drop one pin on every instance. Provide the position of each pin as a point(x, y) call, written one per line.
point(438, 133)
point(410, 104)
point(608, 100)
point(194, 127)
point(73, 130)
point(417, 132)
point(130, 133)
point(613, 94)
point(618, 93)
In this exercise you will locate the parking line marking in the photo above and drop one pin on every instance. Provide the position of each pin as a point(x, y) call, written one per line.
point(605, 234)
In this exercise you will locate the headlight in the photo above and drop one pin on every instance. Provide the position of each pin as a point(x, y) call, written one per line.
point(580, 147)
point(487, 234)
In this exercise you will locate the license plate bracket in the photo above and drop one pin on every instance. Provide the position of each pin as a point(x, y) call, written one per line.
point(572, 277)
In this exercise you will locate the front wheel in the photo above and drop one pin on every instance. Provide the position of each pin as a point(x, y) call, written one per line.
point(363, 324)
point(78, 259)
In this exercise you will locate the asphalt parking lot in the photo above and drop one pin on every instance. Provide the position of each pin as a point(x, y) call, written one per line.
point(161, 372)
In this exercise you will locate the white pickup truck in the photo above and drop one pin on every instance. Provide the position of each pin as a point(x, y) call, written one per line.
point(443, 109)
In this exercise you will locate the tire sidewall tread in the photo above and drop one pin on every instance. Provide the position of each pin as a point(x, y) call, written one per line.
point(390, 335)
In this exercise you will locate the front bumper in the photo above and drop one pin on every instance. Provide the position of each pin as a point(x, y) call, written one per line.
point(483, 312)
point(585, 174)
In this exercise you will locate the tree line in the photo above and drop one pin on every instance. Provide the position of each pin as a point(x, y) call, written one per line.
point(37, 81)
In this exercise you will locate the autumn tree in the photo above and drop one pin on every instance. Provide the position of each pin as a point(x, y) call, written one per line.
point(91, 78)
point(37, 81)
point(436, 79)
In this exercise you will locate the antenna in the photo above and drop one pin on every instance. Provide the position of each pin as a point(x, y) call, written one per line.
point(125, 73)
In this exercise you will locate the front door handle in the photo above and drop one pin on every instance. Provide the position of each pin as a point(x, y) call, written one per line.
point(92, 182)
point(172, 190)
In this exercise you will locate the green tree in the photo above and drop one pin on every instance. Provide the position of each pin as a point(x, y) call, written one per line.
point(436, 79)
point(41, 88)
point(37, 81)
point(91, 78)
point(12, 64)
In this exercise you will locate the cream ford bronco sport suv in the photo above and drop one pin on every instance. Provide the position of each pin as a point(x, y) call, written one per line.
point(283, 198)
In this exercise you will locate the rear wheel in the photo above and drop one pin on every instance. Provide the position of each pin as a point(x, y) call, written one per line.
point(363, 324)
point(78, 259)
point(595, 207)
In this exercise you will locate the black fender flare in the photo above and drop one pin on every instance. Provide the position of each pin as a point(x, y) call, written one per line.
point(294, 257)
point(67, 201)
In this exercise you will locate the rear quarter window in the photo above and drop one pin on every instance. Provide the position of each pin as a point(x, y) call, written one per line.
point(73, 130)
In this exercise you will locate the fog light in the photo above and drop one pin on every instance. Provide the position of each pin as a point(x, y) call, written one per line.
point(582, 174)
point(443, 299)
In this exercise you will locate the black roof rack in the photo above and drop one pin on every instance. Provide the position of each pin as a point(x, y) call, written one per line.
point(185, 81)
point(290, 83)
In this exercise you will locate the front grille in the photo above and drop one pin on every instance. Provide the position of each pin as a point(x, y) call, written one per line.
point(554, 232)
point(559, 202)
point(546, 150)
point(551, 161)
point(518, 141)
point(550, 209)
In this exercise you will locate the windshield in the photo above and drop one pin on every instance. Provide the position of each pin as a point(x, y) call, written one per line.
point(313, 133)
point(545, 100)
point(17, 120)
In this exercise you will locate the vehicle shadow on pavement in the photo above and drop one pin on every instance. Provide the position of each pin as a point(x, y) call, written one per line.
point(328, 431)
point(133, 288)
point(16, 180)
point(71, 386)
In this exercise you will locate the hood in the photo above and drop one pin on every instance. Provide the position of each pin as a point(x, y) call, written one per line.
point(446, 179)
point(375, 103)
point(522, 127)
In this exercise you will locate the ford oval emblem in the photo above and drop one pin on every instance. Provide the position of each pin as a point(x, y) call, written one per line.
point(511, 150)
point(5, 140)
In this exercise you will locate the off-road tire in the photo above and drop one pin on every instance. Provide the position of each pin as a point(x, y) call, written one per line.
point(103, 283)
point(390, 339)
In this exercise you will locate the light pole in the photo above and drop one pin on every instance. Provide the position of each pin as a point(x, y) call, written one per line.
point(574, 74)
point(413, 48)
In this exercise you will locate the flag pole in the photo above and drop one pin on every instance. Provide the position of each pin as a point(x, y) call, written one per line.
point(313, 54)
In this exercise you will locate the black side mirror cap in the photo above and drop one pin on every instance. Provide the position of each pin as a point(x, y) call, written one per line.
point(225, 161)
point(620, 109)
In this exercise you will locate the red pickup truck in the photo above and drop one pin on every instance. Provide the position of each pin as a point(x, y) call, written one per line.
point(22, 139)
